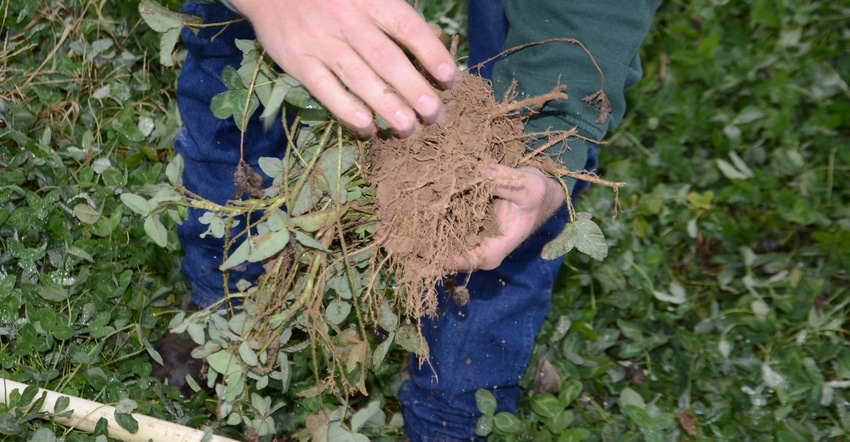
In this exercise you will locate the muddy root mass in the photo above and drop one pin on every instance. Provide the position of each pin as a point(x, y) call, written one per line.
point(432, 197)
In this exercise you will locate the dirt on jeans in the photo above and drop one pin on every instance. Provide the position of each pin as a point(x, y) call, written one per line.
point(432, 196)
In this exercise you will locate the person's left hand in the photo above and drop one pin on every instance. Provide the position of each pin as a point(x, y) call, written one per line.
point(525, 199)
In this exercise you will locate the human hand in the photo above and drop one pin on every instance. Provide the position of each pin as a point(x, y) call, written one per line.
point(332, 44)
point(525, 199)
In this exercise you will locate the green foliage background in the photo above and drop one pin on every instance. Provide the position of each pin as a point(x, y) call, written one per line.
point(723, 297)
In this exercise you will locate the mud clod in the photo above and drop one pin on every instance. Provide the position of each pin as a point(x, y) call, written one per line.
point(432, 197)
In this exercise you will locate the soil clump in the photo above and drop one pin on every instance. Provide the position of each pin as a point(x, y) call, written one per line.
point(432, 196)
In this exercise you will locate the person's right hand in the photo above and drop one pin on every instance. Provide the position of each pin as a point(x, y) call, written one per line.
point(328, 45)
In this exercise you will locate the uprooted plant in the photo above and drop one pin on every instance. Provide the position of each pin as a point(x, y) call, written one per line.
point(331, 295)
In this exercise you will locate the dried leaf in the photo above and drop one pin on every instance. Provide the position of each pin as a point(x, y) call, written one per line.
point(688, 423)
point(86, 213)
point(246, 180)
point(546, 378)
point(600, 104)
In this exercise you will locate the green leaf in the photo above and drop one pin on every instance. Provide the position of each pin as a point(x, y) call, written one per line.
point(701, 200)
point(53, 292)
point(136, 203)
point(570, 391)
point(561, 245)
point(224, 363)
point(272, 167)
point(62, 403)
point(314, 221)
point(731, 172)
point(583, 234)
point(575, 435)
point(196, 333)
point(337, 310)
point(249, 357)
point(387, 318)
point(158, 17)
point(156, 231)
point(507, 423)
point(638, 415)
point(298, 95)
point(589, 239)
point(268, 245)
point(28, 395)
point(231, 79)
point(238, 256)
point(275, 101)
point(484, 425)
point(631, 397)
point(6, 287)
point(560, 421)
point(381, 351)
point(174, 170)
point(676, 295)
point(308, 241)
point(79, 253)
point(127, 422)
point(332, 167)
point(9, 424)
point(307, 197)
point(364, 415)
point(231, 104)
point(546, 405)
point(43, 434)
point(167, 42)
point(168, 23)
point(485, 401)
point(126, 406)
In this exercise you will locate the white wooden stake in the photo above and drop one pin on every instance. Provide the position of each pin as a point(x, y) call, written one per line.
point(85, 415)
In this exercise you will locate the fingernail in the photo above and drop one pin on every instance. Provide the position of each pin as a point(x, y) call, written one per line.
point(404, 119)
point(446, 73)
point(362, 120)
point(489, 170)
point(428, 107)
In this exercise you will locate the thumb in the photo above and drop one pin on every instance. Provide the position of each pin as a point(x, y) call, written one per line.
point(508, 183)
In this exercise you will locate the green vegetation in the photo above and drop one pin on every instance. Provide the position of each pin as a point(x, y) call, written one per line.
point(720, 312)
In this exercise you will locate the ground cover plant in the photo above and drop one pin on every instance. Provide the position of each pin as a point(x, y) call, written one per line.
point(719, 313)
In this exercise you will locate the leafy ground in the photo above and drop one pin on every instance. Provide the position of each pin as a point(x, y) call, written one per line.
point(719, 314)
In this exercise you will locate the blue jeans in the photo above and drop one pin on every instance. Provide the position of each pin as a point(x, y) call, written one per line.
point(210, 148)
point(485, 344)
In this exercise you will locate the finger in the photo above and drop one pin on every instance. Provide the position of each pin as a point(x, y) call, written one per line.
point(326, 88)
point(387, 59)
point(406, 26)
point(366, 83)
point(473, 260)
point(523, 187)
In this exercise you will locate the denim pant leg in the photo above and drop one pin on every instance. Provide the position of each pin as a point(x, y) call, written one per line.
point(210, 147)
point(486, 343)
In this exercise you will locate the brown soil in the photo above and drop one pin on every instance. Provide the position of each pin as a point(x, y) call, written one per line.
point(432, 197)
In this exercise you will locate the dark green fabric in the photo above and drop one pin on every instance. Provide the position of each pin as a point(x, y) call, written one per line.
point(611, 30)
